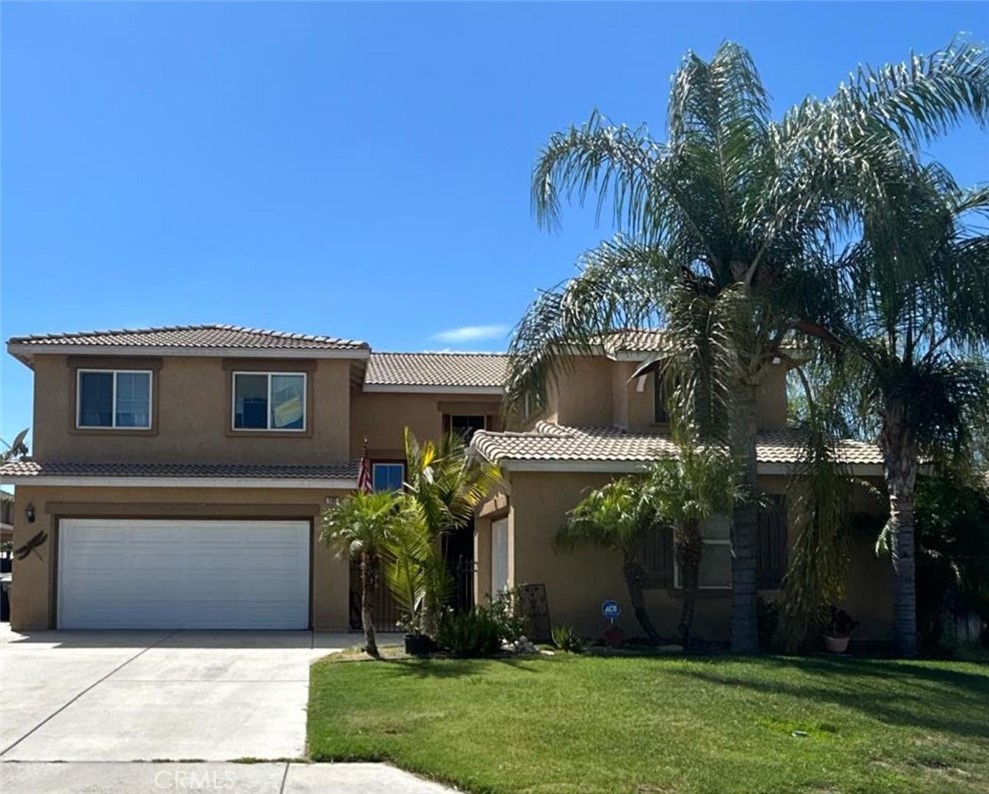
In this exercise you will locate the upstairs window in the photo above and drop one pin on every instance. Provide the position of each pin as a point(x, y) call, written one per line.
point(466, 426)
point(113, 399)
point(660, 415)
point(269, 401)
point(387, 476)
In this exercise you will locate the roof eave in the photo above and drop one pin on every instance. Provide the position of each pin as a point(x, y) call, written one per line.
point(25, 352)
point(308, 483)
point(633, 466)
point(383, 388)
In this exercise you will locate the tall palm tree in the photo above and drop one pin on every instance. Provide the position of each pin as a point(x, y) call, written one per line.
point(700, 483)
point(617, 516)
point(446, 486)
point(911, 343)
point(725, 229)
point(360, 528)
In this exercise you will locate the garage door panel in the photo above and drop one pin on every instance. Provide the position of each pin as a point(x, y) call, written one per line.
point(183, 574)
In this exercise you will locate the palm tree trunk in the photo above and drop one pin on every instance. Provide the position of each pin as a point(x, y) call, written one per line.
point(901, 462)
point(745, 526)
point(634, 576)
point(688, 551)
point(367, 608)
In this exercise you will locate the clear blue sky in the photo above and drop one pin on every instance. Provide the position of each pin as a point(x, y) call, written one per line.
point(359, 171)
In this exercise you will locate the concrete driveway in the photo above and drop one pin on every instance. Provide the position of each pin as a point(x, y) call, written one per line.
point(131, 711)
point(143, 696)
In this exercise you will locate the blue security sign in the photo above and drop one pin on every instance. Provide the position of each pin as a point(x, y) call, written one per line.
point(611, 609)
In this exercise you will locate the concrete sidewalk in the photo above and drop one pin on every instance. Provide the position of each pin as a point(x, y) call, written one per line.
point(27, 777)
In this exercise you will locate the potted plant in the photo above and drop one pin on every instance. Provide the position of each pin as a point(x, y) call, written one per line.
point(416, 578)
point(416, 643)
point(839, 630)
point(614, 637)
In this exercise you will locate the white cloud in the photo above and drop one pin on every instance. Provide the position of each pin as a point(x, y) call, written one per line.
point(471, 333)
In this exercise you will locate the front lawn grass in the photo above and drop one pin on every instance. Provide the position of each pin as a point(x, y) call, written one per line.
point(661, 725)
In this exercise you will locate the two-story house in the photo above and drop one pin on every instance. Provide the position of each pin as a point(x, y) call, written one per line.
point(178, 474)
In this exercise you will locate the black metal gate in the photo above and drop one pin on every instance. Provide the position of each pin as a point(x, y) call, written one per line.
point(386, 612)
point(458, 552)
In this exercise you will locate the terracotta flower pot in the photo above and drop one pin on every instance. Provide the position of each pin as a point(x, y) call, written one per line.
point(836, 644)
point(614, 638)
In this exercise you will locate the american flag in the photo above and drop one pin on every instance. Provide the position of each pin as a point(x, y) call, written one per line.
point(364, 484)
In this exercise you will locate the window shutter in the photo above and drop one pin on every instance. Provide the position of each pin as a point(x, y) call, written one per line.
point(772, 554)
point(657, 557)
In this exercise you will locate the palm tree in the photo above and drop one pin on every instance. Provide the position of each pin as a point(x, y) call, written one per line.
point(725, 230)
point(15, 451)
point(617, 516)
point(360, 527)
point(912, 339)
point(446, 486)
point(685, 491)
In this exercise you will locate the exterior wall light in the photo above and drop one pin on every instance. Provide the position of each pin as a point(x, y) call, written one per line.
point(29, 512)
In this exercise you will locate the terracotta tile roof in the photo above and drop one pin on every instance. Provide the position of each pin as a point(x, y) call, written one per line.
point(637, 340)
point(483, 370)
point(32, 468)
point(551, 442)
point(192, 336)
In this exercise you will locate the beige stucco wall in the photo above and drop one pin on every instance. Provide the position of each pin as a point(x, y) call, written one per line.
point(382, 417)
point(35, 578)
point(598, 392)
point(193, 417)
point(581, 394)
point(578, 581)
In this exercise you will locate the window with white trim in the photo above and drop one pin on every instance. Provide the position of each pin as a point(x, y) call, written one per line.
point(113, 399)
point(714, 572)
point(269, 401)
point(387, 476)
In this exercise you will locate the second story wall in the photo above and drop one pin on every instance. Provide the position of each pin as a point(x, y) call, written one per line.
point(581, 395)
point(192, 413)
point(600, 392)
point(382, 417)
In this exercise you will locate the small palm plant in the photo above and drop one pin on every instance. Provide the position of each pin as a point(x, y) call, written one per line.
point(445, 486)
point(414, 568)
point(617, 516)
point(360, 527)
point(699, 483)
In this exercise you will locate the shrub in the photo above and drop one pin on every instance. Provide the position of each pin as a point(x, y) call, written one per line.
point(511, 625)
point(566, 639)
point(470, 634)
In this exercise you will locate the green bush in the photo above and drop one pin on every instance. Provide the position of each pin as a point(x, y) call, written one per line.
point(511, 625)
point(470, 634)
point(566, 639)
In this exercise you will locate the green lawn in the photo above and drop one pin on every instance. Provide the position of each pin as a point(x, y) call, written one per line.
point(661, 725)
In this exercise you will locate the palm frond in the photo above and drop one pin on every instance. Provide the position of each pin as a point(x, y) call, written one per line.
point(616, 289)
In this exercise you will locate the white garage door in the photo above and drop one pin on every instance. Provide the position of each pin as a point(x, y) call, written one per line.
point(157, 574)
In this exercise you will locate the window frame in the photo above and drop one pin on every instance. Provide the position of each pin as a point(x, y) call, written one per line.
point(80, 371)
point(451, 417)
point(375, 464)
point(269, 429)
point(707, 542)
point(659, 401)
